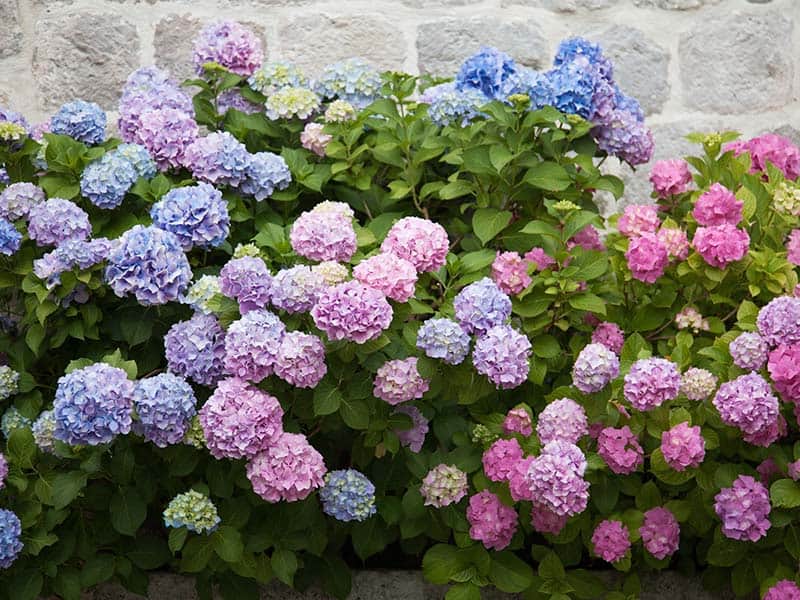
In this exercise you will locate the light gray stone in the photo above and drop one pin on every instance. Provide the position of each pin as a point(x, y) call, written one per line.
point(731, 63)
point(787, 131)
point(311, 42)
point(443, 45)
point(640, 65)
point(10, 30)
point(436, 3)
point(565, 6)
point(83, 54)
point(675, 4)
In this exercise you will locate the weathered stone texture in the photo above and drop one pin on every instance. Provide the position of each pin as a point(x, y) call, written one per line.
point(565, 6)
point(83, 54)
point(443, 45)
point(10, 30)
point(675, 4)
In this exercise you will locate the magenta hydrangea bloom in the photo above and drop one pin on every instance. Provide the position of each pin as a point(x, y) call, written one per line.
point(784, 369)
point(502, 354)
point(239, 420)
point(770, 148)
point(301, 359)
point(670, 177)
point(545, 520)
point(697, 384)
point(595, 367)
point(288, 469)
point(296, 289)
point(481, 305)
point(252, 344)
point(793, 247)
point(3, 471)
point(638, 219)
point(748, 404)
point(744, 509)
point(195, 349)
point(647, 257)
point(518, 484)
point(609, 335)
point(779, 321)
point(491, 522)
point(325, 233)
point(721, 245)
point(444, 485)
point(611, 540)
point(499, 459)
point(246, 280)
point(587, 238)
point(563, 420)
point(717, 206)
point(166, 133)
point(421, 242)
point(683, 446)
point(229, 44)
point(555, 479)
point(57, 220)
point(352, 311)
point(620, 449)
point(414, 437)
point(783, 590)
point(675, 241)
point(749, 351)
point(390, 274)
point(661, 533)
point(518, 420)
point(399, 381)
point(540, 259)
point(651, 382)
point(793, 469)
point(510, 272)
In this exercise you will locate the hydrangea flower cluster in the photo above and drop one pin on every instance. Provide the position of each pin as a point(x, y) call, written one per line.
point(13, 419)
point(647, 257)
point(449, 106)
point(390, 274)
point(779, 321)
point(218, 158)
point(195, 349)
point(199, 295)
point(539, 259)
point(292, 102)
point(166, 133)
point(10, 538)
point(670, 177)
point(192, 510)
point(595, 367)
point(82, 121)
point(414, 437)
point(770, 149)
point(443, 485)
point(270, 77)
point(721, 245)
point(248, 281)
point(499, 459)
point(743, 509)
point(164, 405)
point(52, 222)
point(313, 138)
point(717, 206)
point(106, 181)
point(444, 339)
point(10, 238)
point(748, 404)
point(481, 306)
point(9, 382)
point(296, 289)
point(325, 233)
point(491, 522)
point(510, 272)
point(17, 200)
point(502, 354)
point(196, 214)
point(638, 219)
point(749, 351)
point(786, 199)
point(266, 172)
point(562, 419)
point(301, 359)
point(620, 450)
point(399, 381)
point(421, 242)
point(229, 44)
point(251, 345)
point(44, 431)
point(651, 382)
point(609, 335)
point(783, 590)
point(555, 479)
point(3, 471)
point(784, 370)
point(348, 496)
point(352, 311)
point(660, 532)
point(518, 420)
point(793, 247)
point(288, 469)
point(683, 446)
point(611, 540)
point(352, 80)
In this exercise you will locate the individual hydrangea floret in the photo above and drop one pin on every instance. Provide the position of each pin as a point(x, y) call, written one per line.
point(139, 157)
point(770, 148)
point(660, 532)
point(13, 419)
point(390, 274)
point(503, 355)
point(717, 206)
point(44, 432)
point(296, 289)
point(611, 540)
point(499, 459)
point(52, 222)
point(301, 359)
point(352, 311)
point(229, 44)
point(196, 214)
point(783, 590)
point(421, 242)
point(698, 384)
point(399, 381)
point(331, 272)
point(743, 509)
point(638, 219)
point(670, 177)
point(748, 404)
point(325, 233)
point(246, 280)
point(251, 345)
point(353, 80)
point(348, 496)
point(444, 485)
point(518, 420)
point(510, 272)
point(239, 420)
point(491, 522)
point(449, 106)
point(721, 245)
point(620, 450)
point(265, 173)
point(675, 241)
point(651, 382)
point(9, 382)
point(218, 159)
point(17, 200)
point(647, 257)
point(271, 77)
point(609, 335)
point(195, 349)
point(414, 437)
point(749, 351)
point(93, 405)
point(555, 479)
point(10, 538)
point(564, 420)
point(80, 120)
point(444, 339)
point(150, 264)
point(481, 306)
point(784, 370)
point(292, 102)
point(595, 367)
point(166, 133)
point(289, 469)
point(313, 138)
point(683, 446)
point(779, 321)
point(10, 238)
point(201, 292)
point(164, 405)
point(192, 510)
point(339, 111)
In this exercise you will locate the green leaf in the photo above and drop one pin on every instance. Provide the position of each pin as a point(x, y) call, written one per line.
point(355, 413)
point(509, 573)
point(21, 448)
point(196, 554)
point(548, 176)
point(65, 487)
point(546, 346)
point(785, 493)
point(327, 398)
point(576, 221)
point(791, 541)
point(228, 544)
point(585, 585)
point(136, 327)
point(550, 567)
point(463, 591)
point(488, 222)
point(370, 537)
point(34, 337)
point(472, 262)
point(456, 189)
point(499, 156)
point(177, 538)
point(441, 562)
point(127, 511)
point(67, 583)
point(97, 569)
point(284, 565)
point(726, 553)
point(27, 585)
point(588, 302)
point(150, 552)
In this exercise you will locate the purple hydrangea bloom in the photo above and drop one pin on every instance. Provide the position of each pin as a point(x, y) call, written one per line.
point(56, 220)
point(325, 233)
point(196, 349)
point(353, 80)
point(620, 449)
point(571, 48)
point(93, 405)
point(10, 538)
point(166, 133)
point(133, 104)
point(623, 136)
point(555, 478)
point(17, 200)
point(502, 354)
point(412, 438)
point(564, 420)
point(233, 99)
point(661, 533)
point(252, 344)
point(139, 157)
point(301, 359)
point(229, 44)
point(610, 335)
point(747, 403)
point(348, 496)
point(651, 382)
point(611, 540)
point(196, 214)
point(783, 590)
point(106, 181)
point(246, 280)
point(3, 471)
point(296, 289)
point(289, 469)
point(149, 263)
point(779, 321)
point(444, 339)
point(743, 509)
point(749, 351)
point(481, 306)
point(82, 121)
point(164, 405)
point(70, 254)
point(486, 71)
point(628, 104)
point(266, 172)
point(218, 158)
point(10, 238)
point(352, 311)
point(595, 367)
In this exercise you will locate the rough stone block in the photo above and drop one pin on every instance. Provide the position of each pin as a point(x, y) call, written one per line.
point(10, 30)
point(443, 45)
point(675, 4)
point(565, 6)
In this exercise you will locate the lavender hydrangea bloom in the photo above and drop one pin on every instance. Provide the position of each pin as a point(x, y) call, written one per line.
point(486, 71)
point(70, 254)
point(481, 305)
point(164, 405)
point(325, 232)
point(10, 538)
point(555, 478)
point(233, 100)
point(149, 263)
point(247, 281)
point(353, 80)
point(747, 403)
point(749, 351)
point(571, 48)
point(414, 437)
point(595, 367)
point(449, 106)
point(80, 120)
point(135, 103)
point(399, 381)
point(348, 496)
point(265, 173)
point(252, 344)
point(56, 220)
point(229, 44)
point(562, 419)
point(146, 78)
point(651, 382)
point(271, 77)
point(10, 238)
point(93, 405)
point(17, 200)
point(106, 181)
point(352, 311)
point(166, 133)
point(301, 359)
point(218, 158)
point(626, 138)
point(744, 509)
point(196, 214)
point(502, 354)
point(779, 321)
point(444, 339)
point(296, 289)
point(196, 349)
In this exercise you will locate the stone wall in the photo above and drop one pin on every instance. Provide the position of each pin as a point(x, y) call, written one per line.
point(694, 64)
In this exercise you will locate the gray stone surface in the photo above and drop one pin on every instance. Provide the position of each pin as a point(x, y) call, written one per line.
point(442, 45)
point(312, 42)
point(675, 4)
point(10, 30)
point(435, 3)
point(565, 6)
point(83, 54)
point(731, 63)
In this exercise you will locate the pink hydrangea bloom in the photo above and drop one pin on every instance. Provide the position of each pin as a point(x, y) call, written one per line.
point(545, 520)
point(301, 359)
point(288, 469)
point(540, 259)
point(313, 138)
point(239, 420)
point(670, 177)
point(744, 509)
point(783, 590)
point(352, 311)
point(651, 382)
point(769, 435)
point(555, 479)
point(793, 468)
point(611, 541)
point(502, 354)
point(399, 381)
point(518, 420)
point(784, 369)
point(325, 233)
point(587, 238)
point(510, 272)
point(499, 459)
point(721, 244)
point(647, 257)
point(717, 206)
point(620, 449)
point(661, 534)
point(748, 404)
point(610, 335)
point(414, 437)
point(793, 247)
point(638, 219)
point(683, 446)
point(231, 45)
point(390, 274)
point(770, 148)
point(517, 480)
point(562, 419)
point(675, 241)
point(421, 242)
point(491, 522)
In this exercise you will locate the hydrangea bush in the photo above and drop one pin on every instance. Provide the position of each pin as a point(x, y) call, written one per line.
point(287, 326)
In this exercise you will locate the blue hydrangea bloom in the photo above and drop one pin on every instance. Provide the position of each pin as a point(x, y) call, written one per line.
point(106, 181)
point(218, 158)
point(150, 264)
point(572, 48)
point(533, 84)
point(70, 254)
point(140, 158)
point(11, 116)
point(164, 405)
point(448, 105)
point(93, 405)
point(196, 214)
point(80, 120)
point(353, 80)
point(10, 238)
point(145, 79)
point(10, 534)
point(266, 173)
point(192, 510)
point(4, 178)
point(444, 339)
point(486, 71)
point(13, 419)
point(574, 85)
point(628, 104)
point(481, 305)
point(348, 495)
